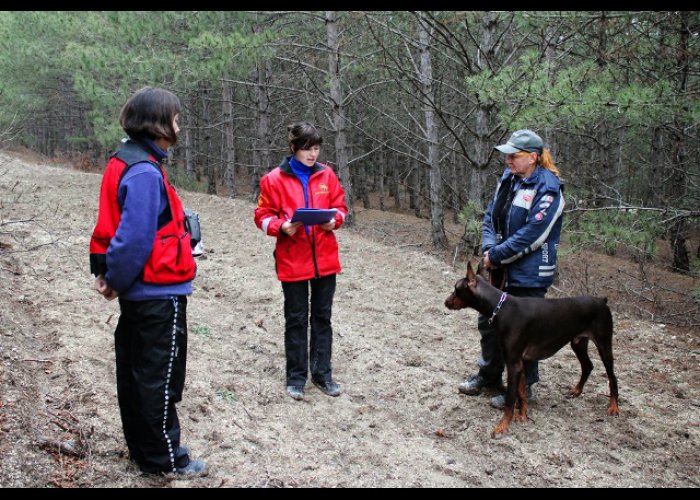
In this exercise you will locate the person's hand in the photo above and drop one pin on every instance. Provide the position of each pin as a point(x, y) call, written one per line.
point(487, 261)
point(329, 226)
point(104, 289)
point(290, 228)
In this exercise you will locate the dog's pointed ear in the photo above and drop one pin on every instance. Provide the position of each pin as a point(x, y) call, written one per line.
point(471, 277)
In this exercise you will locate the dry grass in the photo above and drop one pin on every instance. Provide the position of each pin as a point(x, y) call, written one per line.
point(398, 354)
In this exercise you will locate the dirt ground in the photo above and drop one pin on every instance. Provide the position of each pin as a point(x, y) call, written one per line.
point(398, 354)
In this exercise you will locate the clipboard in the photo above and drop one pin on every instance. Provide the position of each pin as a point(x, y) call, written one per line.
point(314, 216)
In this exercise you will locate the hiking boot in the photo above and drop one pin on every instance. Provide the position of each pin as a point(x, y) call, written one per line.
point(198, 249)
point(296, 392)
point(193, 467)
point(475, 384)
point(328, 388)
point(499, 400)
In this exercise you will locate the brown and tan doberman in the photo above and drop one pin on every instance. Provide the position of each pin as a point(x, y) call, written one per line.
point(531, 329)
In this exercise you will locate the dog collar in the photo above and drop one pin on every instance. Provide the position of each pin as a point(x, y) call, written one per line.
point(503, 298)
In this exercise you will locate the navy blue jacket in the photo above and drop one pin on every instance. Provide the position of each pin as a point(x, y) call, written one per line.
point(528, 246)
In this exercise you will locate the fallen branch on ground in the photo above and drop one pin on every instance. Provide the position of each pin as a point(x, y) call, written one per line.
point(74, 448)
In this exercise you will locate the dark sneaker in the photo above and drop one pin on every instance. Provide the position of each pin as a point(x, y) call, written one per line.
point(193, 467)
point(329, 388)
point(499, 401)
point(296, 392)
point(475, 384)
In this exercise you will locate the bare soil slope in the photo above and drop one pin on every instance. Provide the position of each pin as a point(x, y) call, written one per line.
point(398, 353)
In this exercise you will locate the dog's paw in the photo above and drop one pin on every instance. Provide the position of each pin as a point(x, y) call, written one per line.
point(574, 392)
point(613, 409)
point(496, 434)
point(500, 430)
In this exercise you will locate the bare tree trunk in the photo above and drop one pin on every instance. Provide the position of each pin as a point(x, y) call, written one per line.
point(455, 194)
point(199, 160)
point(652, 192)
point(425, 187)
point(339, 119)
point(363, 182)
point(681, 260)
point(189, 144)
point(620, 160)
point(414, 189)
point(396, 185)
point(263, 163)
point(230, 153)
point(437, 217)
point(206, 140)
point(171, 159)
point(550, 55)
point(262, 149)
point(478, 178)
point(600, 169)
point(602, 46)
point(380, 186)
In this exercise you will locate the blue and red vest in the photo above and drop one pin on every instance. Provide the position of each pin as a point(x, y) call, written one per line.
point(171, 259)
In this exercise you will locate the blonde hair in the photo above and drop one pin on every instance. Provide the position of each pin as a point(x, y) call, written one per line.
point(545, 159)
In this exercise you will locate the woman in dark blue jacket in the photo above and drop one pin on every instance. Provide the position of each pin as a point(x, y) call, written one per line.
point(521, 232)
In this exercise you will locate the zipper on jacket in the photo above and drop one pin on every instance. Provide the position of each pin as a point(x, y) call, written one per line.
point(510, 199)
point(313, 232)
point(312, 236)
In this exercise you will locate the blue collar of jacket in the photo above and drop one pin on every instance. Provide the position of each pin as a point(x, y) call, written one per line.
point(539, 176)
point(150, 147)
point(287, 169)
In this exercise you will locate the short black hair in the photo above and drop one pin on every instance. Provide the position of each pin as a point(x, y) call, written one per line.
point(303, 135)
point(150, 112)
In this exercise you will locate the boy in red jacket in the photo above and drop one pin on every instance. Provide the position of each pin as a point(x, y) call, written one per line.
point(306, 257)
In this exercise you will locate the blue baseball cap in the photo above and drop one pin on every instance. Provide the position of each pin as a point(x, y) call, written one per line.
point(522, 140)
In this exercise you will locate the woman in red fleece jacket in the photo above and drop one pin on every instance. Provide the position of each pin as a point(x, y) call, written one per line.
point(306, 257)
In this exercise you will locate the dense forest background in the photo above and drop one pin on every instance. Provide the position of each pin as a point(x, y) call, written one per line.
point(410, 105)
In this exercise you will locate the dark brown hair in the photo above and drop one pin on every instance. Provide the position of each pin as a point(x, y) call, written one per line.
point(150, 112)
point(303, 135)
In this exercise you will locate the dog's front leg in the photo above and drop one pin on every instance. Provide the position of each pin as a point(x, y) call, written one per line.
point(514, 372)
point(522, 397)
point(503, 425)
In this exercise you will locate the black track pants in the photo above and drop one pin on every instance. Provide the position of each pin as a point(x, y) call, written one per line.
point(151, 353)
point(296, 315)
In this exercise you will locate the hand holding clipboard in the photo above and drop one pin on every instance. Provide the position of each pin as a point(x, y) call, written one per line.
point(314, 216)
